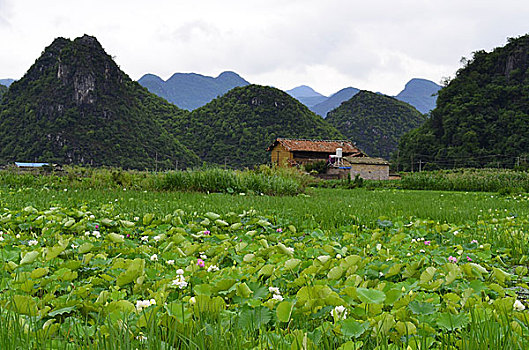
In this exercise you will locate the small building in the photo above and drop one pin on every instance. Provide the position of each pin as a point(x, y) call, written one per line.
point(21, 165)
point(368, 168)
point(301, 151)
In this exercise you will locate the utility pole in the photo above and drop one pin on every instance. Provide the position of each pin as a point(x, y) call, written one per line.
point(156, 162)
point(176, 165)
point(411, 163)
point(420, 165)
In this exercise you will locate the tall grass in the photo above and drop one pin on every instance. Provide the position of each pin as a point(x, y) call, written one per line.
point(230, 181)
point(484, 180)
point(265, 180)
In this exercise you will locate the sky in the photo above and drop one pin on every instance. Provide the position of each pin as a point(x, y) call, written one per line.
point(376, 45)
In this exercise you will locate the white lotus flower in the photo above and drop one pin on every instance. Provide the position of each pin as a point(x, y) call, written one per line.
point(170, 262)
point(278, 297)
point(180, 282)
point(213, 268)
point(154, 257)
point(339, 312)
point(518, 306)
point(33, 242)
point(274, 290)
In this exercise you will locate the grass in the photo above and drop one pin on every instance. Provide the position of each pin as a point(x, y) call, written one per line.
point(484, 180)
point(323, 208)
point(263, 179)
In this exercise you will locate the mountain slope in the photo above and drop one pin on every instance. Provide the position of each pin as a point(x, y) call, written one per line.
point(306, 95)
point(420, 93)
point(74, 105)
point(236, 128)
point(3, 90)
point(482, 115)
point(334, 101)
point(375, 122)
point(189, 90)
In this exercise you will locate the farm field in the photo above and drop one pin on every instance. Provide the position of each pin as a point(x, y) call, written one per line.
point(327, 269)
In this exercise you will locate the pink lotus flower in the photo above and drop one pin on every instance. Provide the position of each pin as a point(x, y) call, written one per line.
point(279, 230)
point(474, 241)
point(201, 263)
point(427, 242)
point(469, 258)
point(207, 233)
point(97, 226)
point(452, 259)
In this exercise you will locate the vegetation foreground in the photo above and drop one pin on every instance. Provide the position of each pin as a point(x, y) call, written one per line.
point(156, 270)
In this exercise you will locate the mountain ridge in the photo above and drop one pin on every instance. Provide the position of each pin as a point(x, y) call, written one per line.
point(191, 90)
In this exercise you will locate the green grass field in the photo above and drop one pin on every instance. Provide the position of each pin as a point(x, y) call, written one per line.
point(323, 208)
point(327, 269)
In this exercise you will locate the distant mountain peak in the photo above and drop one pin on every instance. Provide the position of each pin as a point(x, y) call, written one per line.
point(192, 90)
point(334, 101)
point(6, 82)
point(303, 91)
point(420, 93)
point(306, 95)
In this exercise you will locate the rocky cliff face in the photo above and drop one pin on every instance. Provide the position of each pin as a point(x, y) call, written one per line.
point(482, 115)
point(74, 105)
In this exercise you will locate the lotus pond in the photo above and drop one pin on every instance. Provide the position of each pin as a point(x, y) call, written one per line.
point(91, 272)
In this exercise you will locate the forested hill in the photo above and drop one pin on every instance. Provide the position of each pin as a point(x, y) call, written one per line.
point(3, 90)
point(375, 122)
point(238, 127)
point(74, 105)
point(190, 90)
point(482, 115)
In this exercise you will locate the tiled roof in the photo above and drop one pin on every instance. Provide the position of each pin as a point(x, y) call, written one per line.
point(327, 146)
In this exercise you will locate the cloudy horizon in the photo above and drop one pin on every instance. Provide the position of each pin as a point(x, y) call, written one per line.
point(328, 45)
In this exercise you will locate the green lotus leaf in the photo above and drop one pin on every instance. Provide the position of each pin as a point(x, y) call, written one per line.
point(370, 296)
point(452, 322)
point(352, 328)
point(121, 306)
point(284, 310)
point(39, 272)
point(419, 308)
point(25, 305)
point(212, 216)
point(29, 257)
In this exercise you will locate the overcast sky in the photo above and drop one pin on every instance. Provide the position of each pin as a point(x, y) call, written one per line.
point(375, 45)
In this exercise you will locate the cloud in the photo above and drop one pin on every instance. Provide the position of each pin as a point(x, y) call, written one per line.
point(377, 45)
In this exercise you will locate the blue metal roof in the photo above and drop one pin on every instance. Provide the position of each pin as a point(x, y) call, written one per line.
point(30, 165)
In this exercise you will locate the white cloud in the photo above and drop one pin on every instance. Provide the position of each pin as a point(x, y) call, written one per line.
point(376, 45)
